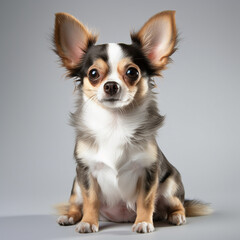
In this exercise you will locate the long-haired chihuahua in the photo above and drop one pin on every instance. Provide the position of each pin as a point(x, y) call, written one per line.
point(121, 173)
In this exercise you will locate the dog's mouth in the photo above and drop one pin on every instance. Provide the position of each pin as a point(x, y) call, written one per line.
point(111, 100)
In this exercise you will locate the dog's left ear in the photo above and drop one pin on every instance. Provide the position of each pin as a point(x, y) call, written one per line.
point(157, 38)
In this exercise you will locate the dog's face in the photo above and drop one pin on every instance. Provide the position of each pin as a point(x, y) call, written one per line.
point(115, 75)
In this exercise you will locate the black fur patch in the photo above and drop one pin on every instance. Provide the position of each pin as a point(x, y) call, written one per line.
point(168, 170)
point(73, 190)
point(151, 175)
point(83, 174)
point(165, 176)
point(135, 53)
point(93, 53)
point(153, 122)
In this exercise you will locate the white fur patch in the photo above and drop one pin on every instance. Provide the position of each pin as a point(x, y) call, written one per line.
point(177, 219)
point(168, 188)
point(65, 220)
point(79, 198)
point(84, 227)
point(115, 54)
point(143, 227)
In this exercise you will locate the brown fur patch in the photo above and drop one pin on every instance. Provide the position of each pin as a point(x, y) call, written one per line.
point(91, 203)
point(176, 207)
point(142, 89)
point(74, 212)
point(89, 90)
point(145, 202)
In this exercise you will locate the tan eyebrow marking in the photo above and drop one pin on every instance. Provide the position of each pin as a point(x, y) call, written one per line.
point(101, 65)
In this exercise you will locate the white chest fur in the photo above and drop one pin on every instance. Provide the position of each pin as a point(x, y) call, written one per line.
point(116, 168)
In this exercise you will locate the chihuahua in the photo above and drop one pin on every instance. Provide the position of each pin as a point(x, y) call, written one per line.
point(121, 173)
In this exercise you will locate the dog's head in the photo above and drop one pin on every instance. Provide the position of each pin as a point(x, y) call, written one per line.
point(115, 75)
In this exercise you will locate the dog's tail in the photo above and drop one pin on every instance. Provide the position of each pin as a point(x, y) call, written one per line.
point(195, 208)
point(62, 208)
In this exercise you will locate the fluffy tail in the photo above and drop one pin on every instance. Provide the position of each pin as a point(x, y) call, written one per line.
point(195, 208)
point(62, 208)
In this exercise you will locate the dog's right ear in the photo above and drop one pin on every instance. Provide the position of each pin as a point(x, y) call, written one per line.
point(71, 39)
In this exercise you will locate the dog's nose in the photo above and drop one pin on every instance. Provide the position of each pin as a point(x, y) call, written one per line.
point(111, 88)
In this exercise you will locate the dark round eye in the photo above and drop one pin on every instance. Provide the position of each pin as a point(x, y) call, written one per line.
point(93, 75)
point(132, 73)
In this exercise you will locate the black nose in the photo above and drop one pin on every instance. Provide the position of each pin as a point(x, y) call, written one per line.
point(111, 88)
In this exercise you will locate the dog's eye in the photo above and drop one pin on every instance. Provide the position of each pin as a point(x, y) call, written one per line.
point(93, 75)
point(132, 73)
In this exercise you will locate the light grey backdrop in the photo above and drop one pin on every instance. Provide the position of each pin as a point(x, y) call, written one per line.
point(200, 95)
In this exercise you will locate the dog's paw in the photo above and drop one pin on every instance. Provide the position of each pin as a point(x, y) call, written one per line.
point(85, 227)
point(65, 220)
point(143, 227)
point(177, 219)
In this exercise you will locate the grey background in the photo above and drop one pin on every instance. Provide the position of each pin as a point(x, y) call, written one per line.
point(199, 95)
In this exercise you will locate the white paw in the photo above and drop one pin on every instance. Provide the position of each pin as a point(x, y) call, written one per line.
point(84, 227)
point(177, 219)
point(143, 227)
point(65, 220)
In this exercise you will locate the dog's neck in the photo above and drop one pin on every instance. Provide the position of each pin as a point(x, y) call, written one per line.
point(97, 124)
point(106, 122)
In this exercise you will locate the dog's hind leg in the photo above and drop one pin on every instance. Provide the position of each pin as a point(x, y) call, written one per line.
point(170, 200)
point(176, 214)
point(170, 196)
point(72, 212)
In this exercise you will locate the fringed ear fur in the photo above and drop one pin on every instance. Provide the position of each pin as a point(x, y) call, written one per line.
point(71, 39)
point(157, 38)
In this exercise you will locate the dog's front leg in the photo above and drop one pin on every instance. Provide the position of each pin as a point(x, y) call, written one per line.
point(89, 189)
point(147, 188)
